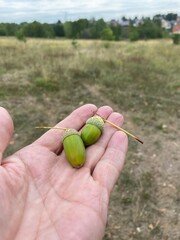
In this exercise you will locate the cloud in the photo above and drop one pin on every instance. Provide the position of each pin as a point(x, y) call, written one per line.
point(49, 11)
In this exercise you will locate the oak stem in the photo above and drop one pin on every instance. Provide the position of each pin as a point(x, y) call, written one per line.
point(121, 129)
point(46, 127)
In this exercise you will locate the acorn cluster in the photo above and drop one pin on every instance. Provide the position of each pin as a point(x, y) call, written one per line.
point(74, 143)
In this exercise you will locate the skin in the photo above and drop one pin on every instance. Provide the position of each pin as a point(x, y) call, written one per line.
point(43, 197)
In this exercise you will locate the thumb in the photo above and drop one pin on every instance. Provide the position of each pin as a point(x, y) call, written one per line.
point(6, 130)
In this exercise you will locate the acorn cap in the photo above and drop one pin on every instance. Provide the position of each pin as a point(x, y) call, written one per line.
point(97, 121)
point(69, 132)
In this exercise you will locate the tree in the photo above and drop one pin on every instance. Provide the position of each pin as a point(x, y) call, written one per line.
point(58, 29)
point(150, 29)
point(81, 25)
point(133, 34)
point(116, 31)
point(97, 27)
point(87, 33)
point(171, 16)
point(124, 19)
point(34, 29)
point(107, 34)
point(68, 29)
point(2, 30)
point(49, 30)
point(11, 29)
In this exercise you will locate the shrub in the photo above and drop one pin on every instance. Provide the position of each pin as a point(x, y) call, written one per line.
point(176, 39)
point(20, 35)
point(133, 35)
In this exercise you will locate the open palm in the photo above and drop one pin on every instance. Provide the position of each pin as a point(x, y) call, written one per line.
point(43, 197)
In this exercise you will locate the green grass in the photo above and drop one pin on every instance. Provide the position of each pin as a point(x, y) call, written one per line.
point(42, 81)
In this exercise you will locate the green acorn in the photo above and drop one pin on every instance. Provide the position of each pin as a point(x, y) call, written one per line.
point(74, 148)
point(92, 131)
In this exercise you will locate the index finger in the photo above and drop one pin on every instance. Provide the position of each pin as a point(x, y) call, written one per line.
point(52, 139)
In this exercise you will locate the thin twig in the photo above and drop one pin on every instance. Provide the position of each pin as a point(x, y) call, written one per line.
point(46, 127)
point(121, 129)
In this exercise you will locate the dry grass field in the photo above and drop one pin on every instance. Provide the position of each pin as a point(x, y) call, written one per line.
point(42, 81)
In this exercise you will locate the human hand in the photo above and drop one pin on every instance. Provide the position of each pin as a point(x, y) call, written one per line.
point(43, 197)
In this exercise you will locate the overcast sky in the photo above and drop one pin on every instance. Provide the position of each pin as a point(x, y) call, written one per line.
point(52, 10)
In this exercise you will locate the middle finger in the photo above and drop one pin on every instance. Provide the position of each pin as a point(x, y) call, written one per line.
point(96, 151)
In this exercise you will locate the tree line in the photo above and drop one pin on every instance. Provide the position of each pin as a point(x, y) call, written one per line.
point(133, 29)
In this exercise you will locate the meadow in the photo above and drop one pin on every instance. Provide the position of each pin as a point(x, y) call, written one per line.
point(42, 81)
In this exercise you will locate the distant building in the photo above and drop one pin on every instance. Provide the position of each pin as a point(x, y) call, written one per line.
point(176, 29)
point(125, 23)
point(173, 23)
point(113, 23)
point(137, 22)
point(178, 19)
point(165, 24)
